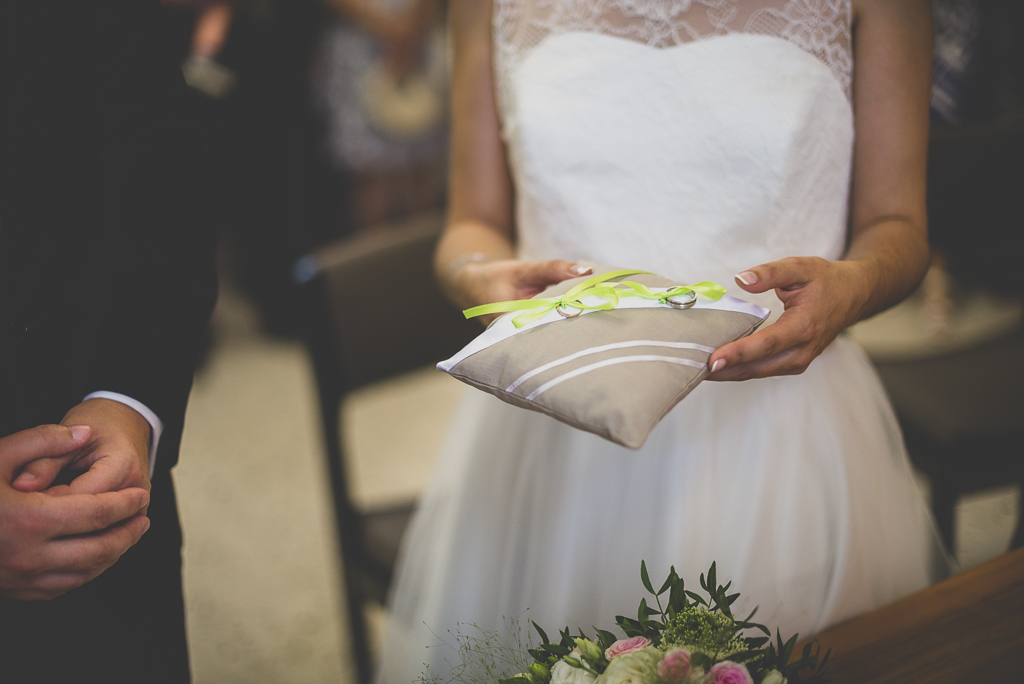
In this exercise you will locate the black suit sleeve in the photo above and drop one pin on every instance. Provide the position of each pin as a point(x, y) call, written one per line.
point(106, 249)
point(157, 235)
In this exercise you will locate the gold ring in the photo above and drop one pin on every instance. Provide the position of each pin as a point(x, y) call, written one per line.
point(568, 315)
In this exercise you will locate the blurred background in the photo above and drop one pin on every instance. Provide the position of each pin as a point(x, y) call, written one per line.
point(314, 421)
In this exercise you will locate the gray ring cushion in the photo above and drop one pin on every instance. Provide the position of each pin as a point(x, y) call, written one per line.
point(599, 372)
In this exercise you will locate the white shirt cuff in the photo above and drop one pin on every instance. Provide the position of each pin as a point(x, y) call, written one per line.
point(156, 426)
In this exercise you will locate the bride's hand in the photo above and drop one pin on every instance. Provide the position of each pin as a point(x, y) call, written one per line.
point(821, 299)
point(477, 283)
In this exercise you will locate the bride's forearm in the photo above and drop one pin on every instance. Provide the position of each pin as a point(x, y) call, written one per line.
point(890, 256)
point(891, 94)
point(465, 243)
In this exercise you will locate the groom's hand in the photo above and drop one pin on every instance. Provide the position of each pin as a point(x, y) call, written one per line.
point(821, 299)
point(50, 544)
point(115, 457)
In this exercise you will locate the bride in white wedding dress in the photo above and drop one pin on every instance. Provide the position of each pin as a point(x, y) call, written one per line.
point(698, 139)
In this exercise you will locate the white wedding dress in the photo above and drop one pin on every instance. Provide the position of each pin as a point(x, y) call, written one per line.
point(695, 139)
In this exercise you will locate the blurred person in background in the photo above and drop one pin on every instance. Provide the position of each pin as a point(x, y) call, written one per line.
point(325, 116)
point(247, 63)
point(378, 83)
point(976, 155)
point(106, 285)
point(208, 24)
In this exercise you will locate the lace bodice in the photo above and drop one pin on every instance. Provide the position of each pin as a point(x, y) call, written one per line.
point(821, 27)
point(692, 138)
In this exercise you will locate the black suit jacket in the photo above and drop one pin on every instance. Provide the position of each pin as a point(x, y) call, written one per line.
point(106, 283)
point(106, 255)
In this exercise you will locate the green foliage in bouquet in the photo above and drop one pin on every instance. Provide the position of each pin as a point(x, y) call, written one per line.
point(684, 638)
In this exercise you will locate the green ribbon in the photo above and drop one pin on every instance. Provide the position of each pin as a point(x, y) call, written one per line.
point(598, 286)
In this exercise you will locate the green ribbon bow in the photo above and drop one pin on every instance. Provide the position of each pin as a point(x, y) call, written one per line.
point(598, 286)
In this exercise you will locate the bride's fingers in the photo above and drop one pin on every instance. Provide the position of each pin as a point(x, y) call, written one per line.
point(783, 274)
point(788, 362)
point(787, 334)
point(540, 274)
point(578, 270)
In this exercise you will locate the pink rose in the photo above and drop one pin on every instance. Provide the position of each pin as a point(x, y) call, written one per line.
point(624, 646)
point(675, 666)
point(727, 672)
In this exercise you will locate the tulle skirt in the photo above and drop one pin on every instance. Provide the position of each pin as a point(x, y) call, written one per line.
point(799, 487)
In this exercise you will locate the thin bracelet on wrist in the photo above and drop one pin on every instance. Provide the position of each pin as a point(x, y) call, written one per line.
point(460, 261)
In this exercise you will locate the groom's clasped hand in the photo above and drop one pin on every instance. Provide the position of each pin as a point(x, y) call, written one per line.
point(54, 538)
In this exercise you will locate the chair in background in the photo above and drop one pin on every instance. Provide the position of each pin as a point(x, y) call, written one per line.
point(963, 419)
point(372, 311)
point(962, 413)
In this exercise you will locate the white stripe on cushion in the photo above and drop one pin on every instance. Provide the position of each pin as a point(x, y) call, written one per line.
point(611, 362)
point(603, 348)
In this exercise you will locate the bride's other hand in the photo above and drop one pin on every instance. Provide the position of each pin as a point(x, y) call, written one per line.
point(475, 260)
point(821, 299)
point(474, 282)
point(888, 250)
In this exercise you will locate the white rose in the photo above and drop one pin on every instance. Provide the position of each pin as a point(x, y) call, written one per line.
point(774, 677)
point(564, 673)
point(639, 667)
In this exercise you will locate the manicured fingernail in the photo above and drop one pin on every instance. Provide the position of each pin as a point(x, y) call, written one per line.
point(24, 478)
point(580, 270)
point(747, 278)
point(718, 365)
point(145, 527)
point(79, 431)
point(145, 500)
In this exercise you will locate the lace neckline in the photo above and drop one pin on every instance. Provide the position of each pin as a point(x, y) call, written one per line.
point(820, 27)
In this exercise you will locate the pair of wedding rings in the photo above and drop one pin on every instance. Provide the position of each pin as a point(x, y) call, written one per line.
point(682, 301)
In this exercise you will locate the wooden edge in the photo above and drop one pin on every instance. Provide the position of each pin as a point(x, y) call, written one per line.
point(960, 592)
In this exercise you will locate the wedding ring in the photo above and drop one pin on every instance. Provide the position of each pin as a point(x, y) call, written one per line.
point(566, 314)
point(689, 299)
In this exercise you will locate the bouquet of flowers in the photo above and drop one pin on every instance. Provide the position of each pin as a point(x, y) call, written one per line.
point(684, 638)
